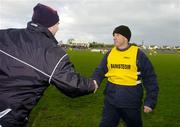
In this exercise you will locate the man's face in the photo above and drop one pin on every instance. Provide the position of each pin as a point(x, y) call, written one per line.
point(54, 28)
point(119, 40)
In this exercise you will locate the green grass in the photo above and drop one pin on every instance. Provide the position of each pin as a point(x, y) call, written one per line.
point(57, 110)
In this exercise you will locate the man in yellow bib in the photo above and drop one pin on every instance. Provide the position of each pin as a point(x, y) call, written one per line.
point(127, 70)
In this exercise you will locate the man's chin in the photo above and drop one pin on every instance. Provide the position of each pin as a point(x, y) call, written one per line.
point(116, 45)
point(53, 34)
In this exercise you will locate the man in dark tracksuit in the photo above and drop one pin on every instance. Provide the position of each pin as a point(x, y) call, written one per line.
point(31, 60)
point(126, 66)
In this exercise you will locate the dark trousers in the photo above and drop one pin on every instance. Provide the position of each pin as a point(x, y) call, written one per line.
point(112, 115)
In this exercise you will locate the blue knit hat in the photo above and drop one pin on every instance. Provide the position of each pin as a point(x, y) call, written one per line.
point(45, 15)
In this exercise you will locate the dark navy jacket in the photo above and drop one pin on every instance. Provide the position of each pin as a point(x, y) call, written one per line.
point(30, 60)
point(130, 96)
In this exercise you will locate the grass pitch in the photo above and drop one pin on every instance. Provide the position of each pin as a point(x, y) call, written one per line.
point(57, 110)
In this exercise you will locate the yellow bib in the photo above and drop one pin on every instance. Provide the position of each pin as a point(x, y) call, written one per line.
point(122, 68)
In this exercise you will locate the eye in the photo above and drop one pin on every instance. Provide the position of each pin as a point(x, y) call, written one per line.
point(115, 35)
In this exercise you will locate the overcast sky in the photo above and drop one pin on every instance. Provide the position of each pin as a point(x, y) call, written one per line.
point(154, 21)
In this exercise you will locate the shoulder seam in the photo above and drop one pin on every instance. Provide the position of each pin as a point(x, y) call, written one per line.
point(27, 64)
point(56, 67)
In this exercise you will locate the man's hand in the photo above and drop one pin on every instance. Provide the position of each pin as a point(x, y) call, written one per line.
point(96, 86)
point(147, 109)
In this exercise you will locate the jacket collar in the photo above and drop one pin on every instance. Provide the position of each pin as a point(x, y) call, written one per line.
point(39, 28)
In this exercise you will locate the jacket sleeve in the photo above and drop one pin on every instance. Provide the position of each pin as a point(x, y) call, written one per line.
point(149, 80)
point(66, 79)
point(101, 70)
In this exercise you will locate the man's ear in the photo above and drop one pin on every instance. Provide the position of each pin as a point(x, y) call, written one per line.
point(50, 28)
point(125, 39)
